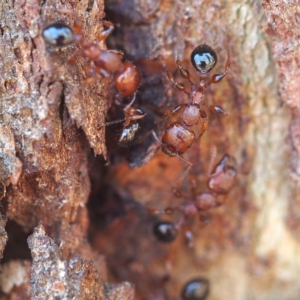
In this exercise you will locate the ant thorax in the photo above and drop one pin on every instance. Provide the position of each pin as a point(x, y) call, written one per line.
point(177, 138)
point(197, 96)
point(203, 82)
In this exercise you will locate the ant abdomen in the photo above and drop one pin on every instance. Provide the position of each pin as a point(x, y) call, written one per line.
point(109, 60)
point(127, 79)
point(177, 139)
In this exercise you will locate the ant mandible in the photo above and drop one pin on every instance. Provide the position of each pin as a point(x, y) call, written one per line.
point(126, 76)
point(178, 138)
point(219, 183)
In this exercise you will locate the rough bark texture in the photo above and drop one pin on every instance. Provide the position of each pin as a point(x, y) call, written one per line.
point(49, 121)
point(49, 132)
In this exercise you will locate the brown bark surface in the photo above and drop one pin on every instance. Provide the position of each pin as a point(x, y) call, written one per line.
point(51, 129)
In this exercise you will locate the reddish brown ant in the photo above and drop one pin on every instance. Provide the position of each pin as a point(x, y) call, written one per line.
point(220, 182)
point(126, 76)
point(178, 137)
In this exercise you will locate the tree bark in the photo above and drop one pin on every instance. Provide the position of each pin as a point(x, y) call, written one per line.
point(52, 126)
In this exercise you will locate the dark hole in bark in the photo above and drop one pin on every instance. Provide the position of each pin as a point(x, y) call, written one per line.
point(16, 247)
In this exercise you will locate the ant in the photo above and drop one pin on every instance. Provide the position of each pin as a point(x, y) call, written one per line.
point(126, 76)
point(220, 182)
point(178, 137)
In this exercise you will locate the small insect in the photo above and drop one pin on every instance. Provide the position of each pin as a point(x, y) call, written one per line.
point(178, 137)
point(130, 123)
point(197, 289)
point(126, 76)
point(220, 183)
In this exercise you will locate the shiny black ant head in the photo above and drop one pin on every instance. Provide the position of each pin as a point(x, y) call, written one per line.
point(204, 58)
point(58, 35)
point(165, 231)
point(196, 289)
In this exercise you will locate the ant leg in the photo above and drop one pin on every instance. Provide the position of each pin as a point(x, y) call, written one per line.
point(189, 165)
point(132, 114)
point(218, 109)
point(129, 113)
point(156, 138)
point(113, 122)
point(179, 86)
point(174, 111)
point(130, 103)
point(203, 115)
point(127, 117)
point(218, 77)
point(183, 72)
point(105, 33)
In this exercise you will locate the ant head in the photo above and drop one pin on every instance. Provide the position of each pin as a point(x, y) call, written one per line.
point(204, 58)
point(165, 231)
point(58, 34)
point(196, 289)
